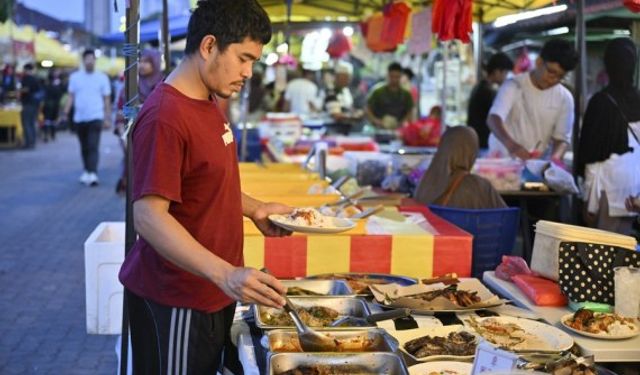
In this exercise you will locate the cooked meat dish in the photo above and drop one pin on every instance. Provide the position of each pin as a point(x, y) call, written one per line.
point(328, 370)
point(461, 298)
point(506, 335)
point(314, 316)
point(588, 321)
point(297, 291)
point(456, 343)
point(358, 283)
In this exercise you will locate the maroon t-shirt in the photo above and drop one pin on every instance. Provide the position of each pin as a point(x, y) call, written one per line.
point(183, 150)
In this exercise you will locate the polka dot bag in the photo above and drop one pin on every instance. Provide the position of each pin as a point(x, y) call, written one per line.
point(586, 270)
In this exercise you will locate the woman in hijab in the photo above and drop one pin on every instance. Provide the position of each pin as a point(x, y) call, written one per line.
point(149, 76)
point(150, 73)
point(609, 150)
point(449, 182)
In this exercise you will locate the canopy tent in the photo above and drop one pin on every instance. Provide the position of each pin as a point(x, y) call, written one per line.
point(46, 48)
point(303, 11)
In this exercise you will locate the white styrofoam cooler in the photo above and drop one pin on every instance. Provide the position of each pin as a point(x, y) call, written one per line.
point(103, 256)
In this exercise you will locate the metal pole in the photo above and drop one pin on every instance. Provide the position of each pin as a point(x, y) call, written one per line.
point(244, 110)
point(166, 37)
point(580, 75)
point(130, 49)
point(479, 46)
point(445, 58)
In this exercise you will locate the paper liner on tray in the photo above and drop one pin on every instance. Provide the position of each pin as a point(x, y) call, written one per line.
point(394, 295)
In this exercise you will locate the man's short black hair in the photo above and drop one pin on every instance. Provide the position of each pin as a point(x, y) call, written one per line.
point(88, 52)
point(394, 67)
point(28, 67)
point(561, 52)
point(230, 21)
point(409, 73)
point(499, 61)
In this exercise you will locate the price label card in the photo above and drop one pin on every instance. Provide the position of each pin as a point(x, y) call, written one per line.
point(490, 359)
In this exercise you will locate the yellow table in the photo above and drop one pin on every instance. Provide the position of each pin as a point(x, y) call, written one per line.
point(10, 127)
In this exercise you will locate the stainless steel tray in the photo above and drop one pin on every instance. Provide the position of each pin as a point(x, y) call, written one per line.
point(346, 306)
point(327, 287)
point(370, 340)
point(367, 363)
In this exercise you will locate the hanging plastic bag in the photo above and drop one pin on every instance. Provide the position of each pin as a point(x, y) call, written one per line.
point(559, 180)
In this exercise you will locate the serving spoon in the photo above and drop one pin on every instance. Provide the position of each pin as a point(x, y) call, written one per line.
point(310, 340)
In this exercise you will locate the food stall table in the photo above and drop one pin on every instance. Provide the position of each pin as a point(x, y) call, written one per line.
point(603, 350)
point(10, 127)
point(438, 249)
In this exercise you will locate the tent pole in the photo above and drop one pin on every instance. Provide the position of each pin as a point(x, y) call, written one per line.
point(480, 45)
point(166, 38)
point(580, 76)
point(130, 49)
point(443, 98)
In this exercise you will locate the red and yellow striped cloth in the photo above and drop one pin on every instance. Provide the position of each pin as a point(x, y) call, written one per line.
point(422, 255)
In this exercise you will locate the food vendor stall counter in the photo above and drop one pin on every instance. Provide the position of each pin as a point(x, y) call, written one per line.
point(10, 127)
point(627, 350)
point(435, 248)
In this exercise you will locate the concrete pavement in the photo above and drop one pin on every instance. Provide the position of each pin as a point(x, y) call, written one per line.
point(45, 217)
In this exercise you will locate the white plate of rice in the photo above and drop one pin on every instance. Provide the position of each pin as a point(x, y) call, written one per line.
point(617, 330)
point(309, 220)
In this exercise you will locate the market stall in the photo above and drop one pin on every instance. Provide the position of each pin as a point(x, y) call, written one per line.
point(10, 126)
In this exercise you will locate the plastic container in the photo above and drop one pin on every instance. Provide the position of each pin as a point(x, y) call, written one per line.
point(103, 256)
point(504, 174)
point(494, 233)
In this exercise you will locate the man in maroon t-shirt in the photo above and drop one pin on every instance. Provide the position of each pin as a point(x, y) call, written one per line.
point(185, 272)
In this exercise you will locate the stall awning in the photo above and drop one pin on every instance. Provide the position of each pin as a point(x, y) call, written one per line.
point(330, 10)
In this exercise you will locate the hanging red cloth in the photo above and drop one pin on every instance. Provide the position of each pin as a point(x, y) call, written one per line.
point(396, 17)
point(375, 41)
point(452, 19)
point(632, 5)
point(339, 45)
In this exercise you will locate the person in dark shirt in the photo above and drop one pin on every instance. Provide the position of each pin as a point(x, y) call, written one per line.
point(53, 92)
point(483, 94)
point(30, 97)
point(389, 105)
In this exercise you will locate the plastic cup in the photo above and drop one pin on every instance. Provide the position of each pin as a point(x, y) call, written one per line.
point(627, 293)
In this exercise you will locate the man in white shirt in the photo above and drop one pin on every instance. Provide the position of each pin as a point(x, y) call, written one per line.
point(301, 95)
point(90, 94)
point(533, 111)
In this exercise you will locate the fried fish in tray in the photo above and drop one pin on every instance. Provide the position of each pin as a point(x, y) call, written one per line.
point(455, 344)
point(461, 298)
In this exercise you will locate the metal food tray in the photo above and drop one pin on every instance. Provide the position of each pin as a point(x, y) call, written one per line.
point(327, 287)
point(381, 341)
point(346, 306)
point(371, 363)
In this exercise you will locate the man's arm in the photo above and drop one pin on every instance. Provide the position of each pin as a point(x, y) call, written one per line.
point(558, 149)
point(497, 128)
point(67, 106)
point(372, 118)
point(173, 242)
point(259, 212)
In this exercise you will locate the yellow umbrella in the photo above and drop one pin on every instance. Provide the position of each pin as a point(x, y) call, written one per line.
point(113, 66)
point(351, 10)
point(487, 11)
